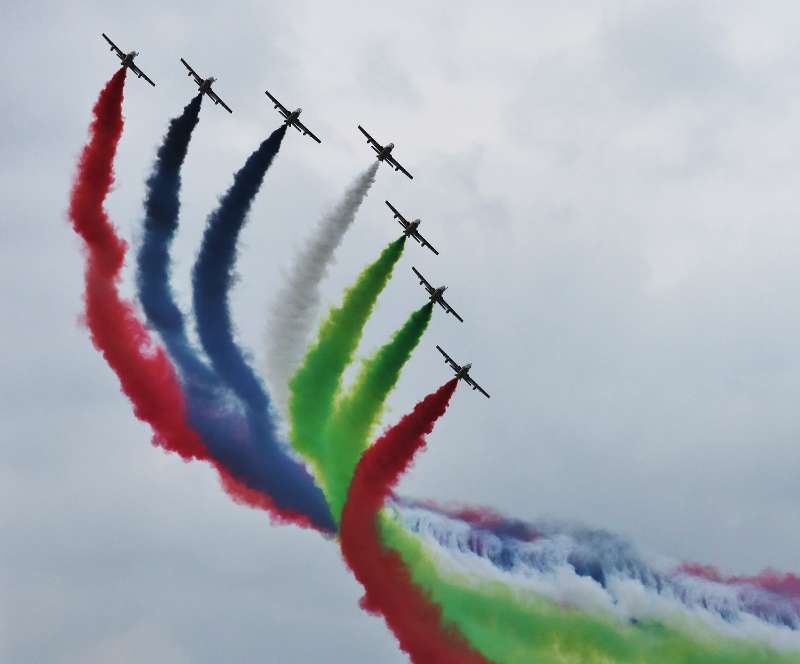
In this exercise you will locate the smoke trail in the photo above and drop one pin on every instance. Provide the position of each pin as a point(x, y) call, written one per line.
point(347, 434)
point(288, 483)
point(213, 274)
point(523, 549)
point(591, 569)
point(783, 585)
point(495, 616)
point(291, 317)
point(314, 385)
point(162, 207)
point(212, 413)
point(144, 371)
point(511, 623)
point(418, 625)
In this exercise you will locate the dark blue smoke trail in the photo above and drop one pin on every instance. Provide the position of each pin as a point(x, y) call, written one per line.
point(289, 483)
point(162, 206)
point(213, 411)
point(205, 393)
point(209, 407)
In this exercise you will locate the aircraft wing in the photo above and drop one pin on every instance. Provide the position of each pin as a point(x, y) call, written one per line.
point(418, 237)
point(423, 281)
point(306, 131)
point(141, 74)
point(114, 47)
point(192, 72)
point(284, 111)
point(475, 386)
point(449, 360)
point(398, 166)
point(403, 221)
point(370, 140)
point(450, 309)
point(218, 100)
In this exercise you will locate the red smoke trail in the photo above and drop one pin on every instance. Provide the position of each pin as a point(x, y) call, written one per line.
point(389, 590)
point(145, 373)
point(478, 516)
point(784, 585)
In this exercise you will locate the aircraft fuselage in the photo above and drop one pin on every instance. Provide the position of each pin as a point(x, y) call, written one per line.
point(411, 229)
point(385, 151)
point(438, 295)
point(463, 372)
point(127, 61)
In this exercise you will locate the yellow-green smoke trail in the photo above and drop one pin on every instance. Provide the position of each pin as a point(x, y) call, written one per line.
point(512, 626)
point(313, 388)
point(350, 427)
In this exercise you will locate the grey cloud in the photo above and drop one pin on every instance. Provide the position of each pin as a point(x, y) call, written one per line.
point(614, 199)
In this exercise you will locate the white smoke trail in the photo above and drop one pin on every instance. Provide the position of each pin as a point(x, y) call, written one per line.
point(291, 317)
point(623, 583)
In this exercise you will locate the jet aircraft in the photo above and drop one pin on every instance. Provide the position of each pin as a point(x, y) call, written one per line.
point(411, 228)
point(204, 85)
point(384, 152)
point(292, 118)
point(462, 372)
point(436, 294)
point(127, 59)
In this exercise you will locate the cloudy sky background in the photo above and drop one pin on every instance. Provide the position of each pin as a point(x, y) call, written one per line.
point(612, 188)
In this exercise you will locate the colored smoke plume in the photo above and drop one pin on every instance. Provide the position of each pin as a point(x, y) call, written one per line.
point(287, 482)
point(313, 388)
point(358, 412)
point(418, 623)
point(291, 317)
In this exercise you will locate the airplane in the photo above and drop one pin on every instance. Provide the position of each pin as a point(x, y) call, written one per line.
point(384, 152)
point(127, 59)
point(292, 117)
point(436, 294)
point(411, 228)
point(462, 373)
point(204, 85)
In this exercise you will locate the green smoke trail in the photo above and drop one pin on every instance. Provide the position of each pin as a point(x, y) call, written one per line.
point(511, 626)
point(313, 387)
point(351, 425)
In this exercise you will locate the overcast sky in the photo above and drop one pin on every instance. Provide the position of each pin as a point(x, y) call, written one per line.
point(612, 187)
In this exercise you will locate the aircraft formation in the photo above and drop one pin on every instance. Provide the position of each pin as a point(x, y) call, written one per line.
point(383, 154)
